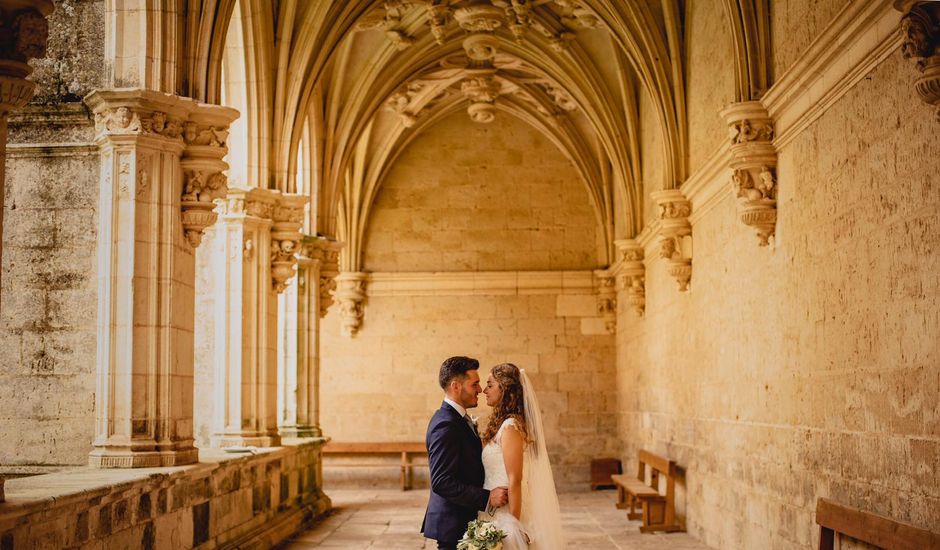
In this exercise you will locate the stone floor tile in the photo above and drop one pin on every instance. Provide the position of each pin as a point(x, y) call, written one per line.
point(390, 520)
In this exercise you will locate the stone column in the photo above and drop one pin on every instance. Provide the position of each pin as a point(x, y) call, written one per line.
point(318, 267)
point(23, 35)
point(920, 29)
point(261, 231)
point(146, 272)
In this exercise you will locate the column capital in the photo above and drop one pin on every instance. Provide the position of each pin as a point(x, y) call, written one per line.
point(351, 295)
point(754, 166)
point(323, 252)
point(288, 217)
point(675, 232)
point(632, 273)
point(920, 32)
point(253, 203)
point(605, 281)
point(135, 112)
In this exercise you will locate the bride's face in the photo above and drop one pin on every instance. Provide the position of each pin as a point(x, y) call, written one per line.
point(493, 392)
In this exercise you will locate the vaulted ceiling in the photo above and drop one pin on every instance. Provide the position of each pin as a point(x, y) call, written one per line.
point(337, 89)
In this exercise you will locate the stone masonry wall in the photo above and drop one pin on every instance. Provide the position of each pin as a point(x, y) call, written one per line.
point(49, 292)
point(810, 368)
point(382, 384)
point(475, 197)
point(226, 501)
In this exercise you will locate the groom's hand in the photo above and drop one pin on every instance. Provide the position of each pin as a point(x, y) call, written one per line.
point(499, 497)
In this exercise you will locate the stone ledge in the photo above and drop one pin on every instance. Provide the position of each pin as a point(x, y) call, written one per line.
point(225, 500)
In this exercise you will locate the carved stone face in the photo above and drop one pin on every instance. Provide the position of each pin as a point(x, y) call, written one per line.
point(32, 33)
point(916, 38)
point(123, 117)
point(159, 122)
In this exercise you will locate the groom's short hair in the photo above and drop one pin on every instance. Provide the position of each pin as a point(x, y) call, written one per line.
point(456, 367)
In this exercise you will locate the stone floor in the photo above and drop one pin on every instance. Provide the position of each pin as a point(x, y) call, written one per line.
point(390, 519)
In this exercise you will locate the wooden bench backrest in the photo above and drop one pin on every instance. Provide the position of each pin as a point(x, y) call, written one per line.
point(659, 463)
point(658, 466)
point(379, 447)
point(871, 528)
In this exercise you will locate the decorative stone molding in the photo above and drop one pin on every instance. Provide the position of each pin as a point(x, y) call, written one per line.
point(286, 234)
point(754, 166)
point(323, 252)
point(205, 135)
point(351, 295)
point(480, 283)
point(920, 30)
point(675, 233)
point(607, 299)
point(632, 274)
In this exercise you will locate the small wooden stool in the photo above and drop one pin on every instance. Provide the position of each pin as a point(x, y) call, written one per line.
point(602, 469)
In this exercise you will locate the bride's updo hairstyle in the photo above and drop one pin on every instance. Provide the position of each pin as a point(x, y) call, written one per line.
point(510, 405)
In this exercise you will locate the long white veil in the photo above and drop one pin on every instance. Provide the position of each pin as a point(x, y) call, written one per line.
point(540, 511)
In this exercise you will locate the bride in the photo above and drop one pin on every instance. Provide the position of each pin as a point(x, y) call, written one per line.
point(514, 456)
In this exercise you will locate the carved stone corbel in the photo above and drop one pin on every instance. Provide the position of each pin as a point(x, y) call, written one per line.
point(754, 166)
point(675, 233)
point(288, 217)
point(607, 299)
point(205, 134)
point(920, 29)
point(351, 295)
point(323, 252)
point(633, 274)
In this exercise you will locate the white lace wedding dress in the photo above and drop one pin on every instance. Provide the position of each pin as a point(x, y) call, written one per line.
point(495, 468)
point(541, 515)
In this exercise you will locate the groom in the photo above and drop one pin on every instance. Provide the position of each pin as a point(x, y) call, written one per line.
point(454, 456)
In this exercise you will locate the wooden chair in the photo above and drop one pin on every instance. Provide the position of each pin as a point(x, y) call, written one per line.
point(406, 450)
point(880, 531)
point(658, 511)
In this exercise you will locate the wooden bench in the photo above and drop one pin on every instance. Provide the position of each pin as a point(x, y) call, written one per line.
point(880, 531)
point(406, 450)
point(658, 511)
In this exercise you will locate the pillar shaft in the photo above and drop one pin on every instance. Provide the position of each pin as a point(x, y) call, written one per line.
point(146, 274)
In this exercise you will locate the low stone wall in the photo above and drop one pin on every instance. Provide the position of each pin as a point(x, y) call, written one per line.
point(225, 501)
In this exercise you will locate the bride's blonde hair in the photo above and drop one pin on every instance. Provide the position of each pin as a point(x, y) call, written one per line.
point(511, 405)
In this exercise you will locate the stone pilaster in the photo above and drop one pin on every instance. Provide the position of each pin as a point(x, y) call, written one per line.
point(146, 274)
point(675, 235)
point(317, 268)
point(245, 412)
point(920, 29)
point(754, 166)
point(351, 295)
point(633, 274)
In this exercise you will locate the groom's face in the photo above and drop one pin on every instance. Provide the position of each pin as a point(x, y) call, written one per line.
point(468, 389)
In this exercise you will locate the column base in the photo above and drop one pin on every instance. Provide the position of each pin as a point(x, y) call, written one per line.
point(222, 441)
point(301, 431)
point(117, 457)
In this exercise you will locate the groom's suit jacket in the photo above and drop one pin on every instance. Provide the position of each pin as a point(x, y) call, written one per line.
point(456, 463)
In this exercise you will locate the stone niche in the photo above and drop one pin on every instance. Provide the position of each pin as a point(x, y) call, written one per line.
point(228, 500)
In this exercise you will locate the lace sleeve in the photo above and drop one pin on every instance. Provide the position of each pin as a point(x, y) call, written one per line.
point(508, 423)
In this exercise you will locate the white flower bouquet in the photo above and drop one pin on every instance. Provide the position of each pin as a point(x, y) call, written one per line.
point(481, 535)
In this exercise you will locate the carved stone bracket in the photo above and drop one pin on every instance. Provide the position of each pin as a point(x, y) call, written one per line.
point(351, 295)
point(205, 135)
point(24, 32)
point(288, 216)
point(675, 234)
point(324, 253)
point(754, 166)
point(920, 29)
point(606, 288)
point(633, 274)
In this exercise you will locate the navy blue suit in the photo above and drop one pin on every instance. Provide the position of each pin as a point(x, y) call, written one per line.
point(456, 463)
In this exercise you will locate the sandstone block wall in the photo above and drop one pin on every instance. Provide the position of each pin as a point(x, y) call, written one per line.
point(807, 369)
point(49, 292)
point(252, 501)
point(476, 197)
point(382, 385)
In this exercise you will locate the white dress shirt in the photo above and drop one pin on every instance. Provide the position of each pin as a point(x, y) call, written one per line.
point(460, 410)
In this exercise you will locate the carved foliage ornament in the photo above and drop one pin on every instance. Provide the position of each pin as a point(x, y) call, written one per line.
point(324, 253)
point(607, 299)
point(126, 120)
point(351, 295)
point(203, 179)
point(753, 166)
point(633, 274)
point(675, 235)
point(920, 29)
